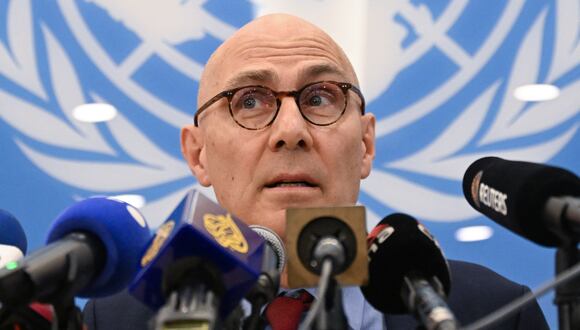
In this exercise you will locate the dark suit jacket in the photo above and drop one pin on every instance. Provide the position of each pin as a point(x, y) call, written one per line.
point(475, 292)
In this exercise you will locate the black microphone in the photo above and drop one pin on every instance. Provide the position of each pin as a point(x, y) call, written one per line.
point(93, 251)
point(536, 201)
point(408, 272)
point(13, 246)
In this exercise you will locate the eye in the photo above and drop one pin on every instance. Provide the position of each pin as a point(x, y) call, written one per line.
point(315, 100)
point(319, 97)
point(322, 103)
point(252, 99)
point(249, 102)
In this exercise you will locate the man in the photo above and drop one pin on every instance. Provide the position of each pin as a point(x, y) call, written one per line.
point(282, 124)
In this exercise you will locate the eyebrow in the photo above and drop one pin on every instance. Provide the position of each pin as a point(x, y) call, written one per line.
point(260, 76)
point(320, 69)
point(265, 76)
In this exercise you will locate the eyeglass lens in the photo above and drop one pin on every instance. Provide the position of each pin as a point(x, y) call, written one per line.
point(255, 107)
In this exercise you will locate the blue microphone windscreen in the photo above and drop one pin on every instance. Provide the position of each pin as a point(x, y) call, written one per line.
point(123, 232)
point(201, 229)
point(11, 232)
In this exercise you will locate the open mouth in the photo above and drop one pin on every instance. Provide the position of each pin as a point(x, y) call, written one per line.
point(283, 184)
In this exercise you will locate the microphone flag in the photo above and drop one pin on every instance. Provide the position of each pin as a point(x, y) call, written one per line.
point(198, 227)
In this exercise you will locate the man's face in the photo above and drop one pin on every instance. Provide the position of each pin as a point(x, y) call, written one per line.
point(258, 174)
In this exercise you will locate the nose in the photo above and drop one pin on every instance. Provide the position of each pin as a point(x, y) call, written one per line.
point(290, 130)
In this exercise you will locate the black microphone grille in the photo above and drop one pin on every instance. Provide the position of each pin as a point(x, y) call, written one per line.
point(514, 194)
point(400, 246)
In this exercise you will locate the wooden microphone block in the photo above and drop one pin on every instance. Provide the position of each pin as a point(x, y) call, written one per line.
point(354, 217)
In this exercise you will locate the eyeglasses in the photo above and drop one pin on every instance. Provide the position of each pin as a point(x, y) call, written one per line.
point(255, 107)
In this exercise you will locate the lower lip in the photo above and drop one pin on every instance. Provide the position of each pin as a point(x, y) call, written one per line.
point(292, 196)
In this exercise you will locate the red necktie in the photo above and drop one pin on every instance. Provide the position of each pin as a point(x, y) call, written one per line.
point(284, 313)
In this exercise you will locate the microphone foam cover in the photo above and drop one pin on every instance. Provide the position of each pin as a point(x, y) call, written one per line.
point(399, 246)
point(123, 232)
point(527, 186)
point(11, 232)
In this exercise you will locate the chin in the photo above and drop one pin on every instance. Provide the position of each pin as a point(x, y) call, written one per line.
point(280, 229)
point(275, 221)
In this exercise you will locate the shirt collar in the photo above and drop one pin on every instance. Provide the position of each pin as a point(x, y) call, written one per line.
point(354, 310)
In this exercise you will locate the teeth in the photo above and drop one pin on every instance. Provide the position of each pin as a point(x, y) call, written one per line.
point(291, 184)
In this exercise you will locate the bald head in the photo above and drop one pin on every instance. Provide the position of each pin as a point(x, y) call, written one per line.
point(258, 174)
point(255, 52)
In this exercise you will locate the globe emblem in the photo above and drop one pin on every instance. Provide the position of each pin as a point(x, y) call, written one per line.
point(441, 97)
point(402, 41)
point(172, 39)
point(438, 76)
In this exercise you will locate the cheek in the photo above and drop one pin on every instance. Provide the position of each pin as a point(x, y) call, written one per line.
point(221, 169)
point(223, 144)
point(232, 160)
point(343, 155)
point(220, 152)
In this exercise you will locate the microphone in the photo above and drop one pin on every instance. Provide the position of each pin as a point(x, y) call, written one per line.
point(13, 242)
point(333, 233)
point(326, 247)
point(93, 251)
point(266, 288)
point(273, 263)
point(536, 201)
point(408, 272)
point(200, 264)
point(13, 246)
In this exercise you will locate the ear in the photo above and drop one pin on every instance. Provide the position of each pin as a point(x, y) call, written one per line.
point(193, 150)
point(368, 144)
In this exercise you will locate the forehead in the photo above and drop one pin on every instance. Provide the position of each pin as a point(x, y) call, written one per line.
point(271, 74)
point(266, 59)
point(277, 55)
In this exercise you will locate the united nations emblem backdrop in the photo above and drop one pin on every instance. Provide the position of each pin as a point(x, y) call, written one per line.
point(439, 75)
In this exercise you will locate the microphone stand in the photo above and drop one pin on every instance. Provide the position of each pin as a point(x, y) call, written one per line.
point(263, 292)
point(568, 294)
point(562, 215)
point(67, 315)
point(332, 315)
point(25, 317)
point(194, 289)
point(327, 256)
point(326, 313)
